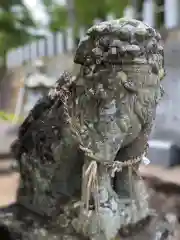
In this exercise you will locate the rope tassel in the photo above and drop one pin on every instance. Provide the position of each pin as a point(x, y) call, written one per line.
point(90, 188)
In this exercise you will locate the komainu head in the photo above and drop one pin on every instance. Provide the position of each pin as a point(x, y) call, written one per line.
point(120, 42)
point(126, 58)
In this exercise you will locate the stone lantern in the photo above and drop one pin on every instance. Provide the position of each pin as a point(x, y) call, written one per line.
point(34, 86)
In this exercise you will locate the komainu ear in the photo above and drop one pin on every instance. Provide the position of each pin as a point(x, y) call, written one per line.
point(162, 73)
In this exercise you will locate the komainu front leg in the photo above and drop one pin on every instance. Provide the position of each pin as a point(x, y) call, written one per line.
point(142, 221)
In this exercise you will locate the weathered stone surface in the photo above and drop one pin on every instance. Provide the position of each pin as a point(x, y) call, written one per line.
point(84, 141)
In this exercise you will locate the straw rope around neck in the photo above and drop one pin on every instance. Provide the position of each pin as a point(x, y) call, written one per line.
point(90, 178)
point(90, 185)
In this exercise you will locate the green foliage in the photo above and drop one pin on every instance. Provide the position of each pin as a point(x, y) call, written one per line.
point(16, 23)
point(85, 12)
point(9, 117)
point(59, 19)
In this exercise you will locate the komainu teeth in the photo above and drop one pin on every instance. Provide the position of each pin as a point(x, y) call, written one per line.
point(133, 49)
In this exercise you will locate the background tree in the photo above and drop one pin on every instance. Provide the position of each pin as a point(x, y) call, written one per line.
point(85, 12)
point(16, 28)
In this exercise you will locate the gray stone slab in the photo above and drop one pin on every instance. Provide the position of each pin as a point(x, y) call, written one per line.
point(6, 137)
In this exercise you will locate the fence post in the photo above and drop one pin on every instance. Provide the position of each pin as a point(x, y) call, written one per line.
point(171, 11)
point(149, 12)
point(64, 42)
point(45, 47)
point(37, 49)
point(55, 43)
